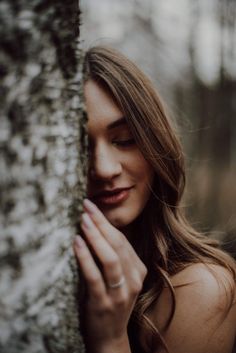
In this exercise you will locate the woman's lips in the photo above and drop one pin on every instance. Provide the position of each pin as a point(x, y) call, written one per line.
point(113, 198)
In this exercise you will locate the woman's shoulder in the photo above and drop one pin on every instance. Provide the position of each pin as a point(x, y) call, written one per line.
point(205, 311)
point(203, 269)
point(212, 283)
point(213, 278)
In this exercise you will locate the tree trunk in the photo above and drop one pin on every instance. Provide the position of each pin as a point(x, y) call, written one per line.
point(42, 169)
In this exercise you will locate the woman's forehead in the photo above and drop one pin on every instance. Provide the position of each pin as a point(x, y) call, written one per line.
point(101, 109)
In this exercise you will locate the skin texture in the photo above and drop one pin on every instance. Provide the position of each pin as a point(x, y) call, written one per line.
point(204, 321)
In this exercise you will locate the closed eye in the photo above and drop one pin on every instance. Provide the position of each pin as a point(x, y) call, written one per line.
point(124, 143)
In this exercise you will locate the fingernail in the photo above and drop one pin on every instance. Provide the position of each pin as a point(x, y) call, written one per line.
point(86, 220)
point(79, 241)
point(89, 205)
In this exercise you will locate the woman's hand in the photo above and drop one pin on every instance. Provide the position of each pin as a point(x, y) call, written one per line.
point(113, 289)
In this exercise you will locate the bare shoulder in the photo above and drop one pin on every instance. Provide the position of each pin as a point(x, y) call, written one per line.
point(214, 283)
point(200, 271)
point(205, 314)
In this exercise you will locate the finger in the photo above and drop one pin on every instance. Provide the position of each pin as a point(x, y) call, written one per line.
point(112, 234)
point(134, 269)
point(92, 274)
point(107, 256)
point(115, 238)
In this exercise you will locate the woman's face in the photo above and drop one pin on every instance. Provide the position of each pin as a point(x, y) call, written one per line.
point(119, 176)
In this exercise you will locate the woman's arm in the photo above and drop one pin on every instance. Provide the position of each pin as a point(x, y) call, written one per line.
point(205, 319)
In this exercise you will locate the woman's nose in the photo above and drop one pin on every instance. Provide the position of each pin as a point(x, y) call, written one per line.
point(104, 164)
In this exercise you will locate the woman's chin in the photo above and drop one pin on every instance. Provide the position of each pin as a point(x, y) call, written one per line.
point(118, 219)
point(118, 222)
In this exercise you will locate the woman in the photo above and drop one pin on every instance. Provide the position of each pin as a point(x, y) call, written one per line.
point(154, 284)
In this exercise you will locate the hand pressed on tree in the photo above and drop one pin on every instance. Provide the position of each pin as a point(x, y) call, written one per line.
point(112, 291)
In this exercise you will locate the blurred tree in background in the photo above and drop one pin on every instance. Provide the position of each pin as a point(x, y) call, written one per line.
point(189, 49)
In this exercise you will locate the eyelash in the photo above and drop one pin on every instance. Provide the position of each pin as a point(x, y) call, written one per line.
point(124, 143)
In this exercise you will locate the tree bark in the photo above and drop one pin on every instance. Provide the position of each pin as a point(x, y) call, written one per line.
point(42, 175)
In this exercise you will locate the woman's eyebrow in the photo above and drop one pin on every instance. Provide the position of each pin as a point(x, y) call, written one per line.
point(116, 123)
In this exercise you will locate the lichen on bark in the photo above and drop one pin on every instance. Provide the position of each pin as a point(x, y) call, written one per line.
point(42, 175)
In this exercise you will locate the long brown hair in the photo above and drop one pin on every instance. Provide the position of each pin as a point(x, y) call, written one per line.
point(167, 243)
